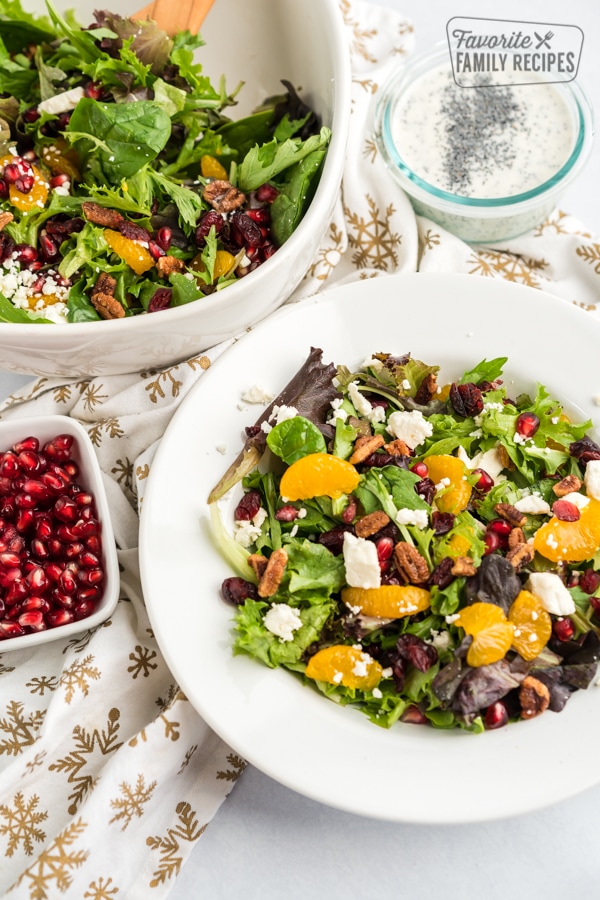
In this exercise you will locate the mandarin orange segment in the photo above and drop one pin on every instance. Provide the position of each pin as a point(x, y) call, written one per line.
point(33, 200)
point(491, 632)
point(453, 496)
point(212, 168)
point(348, 666)
point(131, 252)
point(562, 541)
point(61, 159)
point(224, 262)
point(390, 601)
point(318, 475)
point(533, 625)
point(458, 545)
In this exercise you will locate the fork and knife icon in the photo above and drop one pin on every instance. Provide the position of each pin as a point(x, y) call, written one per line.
point(543, 41)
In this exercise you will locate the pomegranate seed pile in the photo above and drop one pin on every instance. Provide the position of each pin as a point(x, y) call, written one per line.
point(51, 570)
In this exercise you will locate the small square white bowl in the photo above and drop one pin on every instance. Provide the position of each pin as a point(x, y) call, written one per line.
point(90, 478)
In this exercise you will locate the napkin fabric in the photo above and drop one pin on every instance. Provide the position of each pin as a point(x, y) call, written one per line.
point(108, 777)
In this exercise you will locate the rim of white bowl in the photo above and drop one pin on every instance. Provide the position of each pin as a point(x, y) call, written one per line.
point(329, 186)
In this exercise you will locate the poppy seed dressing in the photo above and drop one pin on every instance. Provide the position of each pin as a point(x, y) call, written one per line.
point(484, 141)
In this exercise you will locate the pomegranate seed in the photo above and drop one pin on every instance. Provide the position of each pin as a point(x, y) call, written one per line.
point(155, 250)
point(527, 424)
point(9, 465)
point(10, 559)
point(61, 599)
point(266, 193)
point(37, 580)
point(29, 460)
point(589, 581)
point(496, 715)
point(500, 527)
point(64, 533)
point(26, 501)
point(492, 542)
point(39, 549)
point(55, 617)
point(85, 527)
point(53, 571)
point(164, 236)
point(385, 548)
point(43, 526)
point(565, 511)
point(70, 469)
point(26, 254)
point(32, 621)
point(59, 445)
point(66, 510)
point(54, 482)
point(420, 469)
point(12, 173)
point(94, 543)
point(25, 183)
point(10, 629)
point(349, 511)
point(28, 443)
point(31, 603)
point(485, 482)
point(16, 592)
point(83, 609)
point(67, 582)
point(563, 629)
point(88, 594)
point(93, 90)
point(83, 499)
point(73, 551)
point(261, 215)
point(412, 715)
point(61, 180)
point(37, 489)
point(25, 520)
point(90, 576)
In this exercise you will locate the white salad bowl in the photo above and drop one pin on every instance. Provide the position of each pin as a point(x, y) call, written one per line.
point(259, 44)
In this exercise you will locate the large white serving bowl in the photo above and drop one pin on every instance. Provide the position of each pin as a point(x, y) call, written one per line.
point(258, 43)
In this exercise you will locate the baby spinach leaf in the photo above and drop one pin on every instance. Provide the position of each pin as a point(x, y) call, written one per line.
point(116, 139)
point(295, 195)
point(294, 438)
point(185, 290)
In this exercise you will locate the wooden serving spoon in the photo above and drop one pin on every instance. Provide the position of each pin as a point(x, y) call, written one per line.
point(178, 16)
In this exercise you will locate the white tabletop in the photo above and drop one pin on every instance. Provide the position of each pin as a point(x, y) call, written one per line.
point(268, 842)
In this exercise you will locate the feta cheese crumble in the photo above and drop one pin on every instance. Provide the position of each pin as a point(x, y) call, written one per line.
point(416, 517)
point(257, 394)
point(534, 505)
point(555, 597)
point(283, 620)
point(361, 562)
point(411, 427)
point(592, 479)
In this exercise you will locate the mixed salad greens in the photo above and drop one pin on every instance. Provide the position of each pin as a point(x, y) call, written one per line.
point(425, 553)
point(125, 187)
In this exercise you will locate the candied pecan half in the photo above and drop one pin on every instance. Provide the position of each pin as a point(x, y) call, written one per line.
point(271, 577)
point(515, 538)
point(463, 566)
point(567, 485)
point(258, 564)
point(107, 306)
point(105, 284)
point(504, 458)
point(534, 697)
point(364, 446)
point(520, 556)
point(223, 196)
point(411, 565)
point(5, 218)
point(427, 389)
point(510, 514)
point(168, 265)
point(397, 447)
point(371, 523)
point(100, 215)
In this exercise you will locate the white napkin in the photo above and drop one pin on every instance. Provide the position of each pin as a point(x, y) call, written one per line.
point(108, 777)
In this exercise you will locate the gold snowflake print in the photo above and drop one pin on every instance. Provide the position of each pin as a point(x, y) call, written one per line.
point(77, 676)
point(370, 150)
point(157, 388)
point(92, 396)
point(510, 266)
point(102, 889)
point(359, 36)
point(555, 224)
point(143, 661)
point(21, 823)
point(50, 875)
point(111, 427)
point(590, 253)
point(328, 257)
point(238, 765)
point(21, 729)
point(374, 242)
point(169, 845)
point(42, 684)
point(132, 800)
point(429, 240)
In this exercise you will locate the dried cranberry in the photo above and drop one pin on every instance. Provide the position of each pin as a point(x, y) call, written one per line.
point(209, 220)
point(565, 511)
point(161, 299)
point(425, 488)
point(134, 232)
point(466, 399)
point(266, 193)
point(237, 590)
point(286, 514)
point(244, 231)
point(584, 450)
point(248, 506)
point(442, 574)
point(442, 522)
point(563, 629)
point(334, 538)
